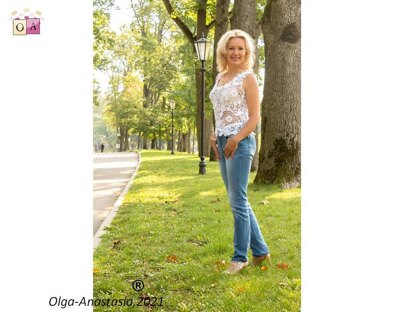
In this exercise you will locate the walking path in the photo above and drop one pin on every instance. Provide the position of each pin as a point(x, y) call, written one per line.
point(113, 175)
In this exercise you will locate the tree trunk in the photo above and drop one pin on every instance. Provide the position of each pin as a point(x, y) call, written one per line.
point(193, 141)
point(202, 28)
point(126, 140)
point(139, 141)
point(188, 143)
point(145, 143)
point(169, 140)
point(121, 142)
point(244, 18)
point(281, 136)
point(178, 143)
point(184, 142)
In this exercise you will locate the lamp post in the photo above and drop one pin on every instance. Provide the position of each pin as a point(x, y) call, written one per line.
point(202, 46)
point(172, 107)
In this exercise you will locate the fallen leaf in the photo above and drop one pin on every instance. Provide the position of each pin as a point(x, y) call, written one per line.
point(282, 266)
point(172, 258)
point(116, 243)
point(241, 289)
point(264, 268)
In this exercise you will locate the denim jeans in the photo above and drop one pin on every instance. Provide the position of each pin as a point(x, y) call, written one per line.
point(235, 174)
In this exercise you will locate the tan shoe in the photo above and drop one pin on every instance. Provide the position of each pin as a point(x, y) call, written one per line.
point(258, 260)
point(235, 267)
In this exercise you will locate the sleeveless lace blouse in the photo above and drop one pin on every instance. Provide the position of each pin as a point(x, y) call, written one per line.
point(230, 106)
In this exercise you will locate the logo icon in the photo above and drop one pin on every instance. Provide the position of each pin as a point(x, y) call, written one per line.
point(137, 285)
point(26, 22)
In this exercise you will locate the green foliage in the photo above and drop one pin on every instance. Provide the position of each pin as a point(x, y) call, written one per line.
point(154, 51)
point(174, 231)
point(102, 131)
point(123, 107)
point(103, 39)
point(103, 5)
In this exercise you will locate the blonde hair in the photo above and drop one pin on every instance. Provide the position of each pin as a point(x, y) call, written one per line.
point(222, 49)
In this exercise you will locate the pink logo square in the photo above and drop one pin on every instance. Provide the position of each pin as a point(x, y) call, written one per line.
point(33, 25)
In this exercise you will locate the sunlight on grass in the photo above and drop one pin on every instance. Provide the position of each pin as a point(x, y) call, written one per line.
point(287, 194)
point(174, 231)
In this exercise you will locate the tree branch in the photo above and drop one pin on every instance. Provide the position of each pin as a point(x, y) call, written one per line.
point(179, 22)
point(135, 13)
point(210, 25)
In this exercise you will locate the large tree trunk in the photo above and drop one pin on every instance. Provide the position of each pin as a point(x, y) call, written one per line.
point(244, 18)
point(221, 27)
point(281, 136)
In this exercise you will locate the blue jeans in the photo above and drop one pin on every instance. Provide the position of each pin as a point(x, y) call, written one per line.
point(235, 174)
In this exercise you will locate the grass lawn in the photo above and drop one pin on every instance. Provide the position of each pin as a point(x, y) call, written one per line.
point(174, 231)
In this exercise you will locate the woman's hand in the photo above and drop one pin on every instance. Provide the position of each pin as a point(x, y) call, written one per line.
point(230, 147)
point(213, 140)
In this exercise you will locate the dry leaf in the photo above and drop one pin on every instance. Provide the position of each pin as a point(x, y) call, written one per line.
point(116, 242)
point(264, 268)
point(282, 266)
point(172, 258)
point(241, 289)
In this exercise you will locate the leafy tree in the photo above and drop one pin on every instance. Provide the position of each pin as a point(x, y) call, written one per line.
point(200, 15)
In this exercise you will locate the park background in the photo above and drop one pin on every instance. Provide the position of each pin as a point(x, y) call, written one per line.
point(358, 163)
point(150, 62)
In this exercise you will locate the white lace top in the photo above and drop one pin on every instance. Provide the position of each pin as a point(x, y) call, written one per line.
point(230, 107)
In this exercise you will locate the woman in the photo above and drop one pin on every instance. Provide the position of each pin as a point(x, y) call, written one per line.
point(235, 98)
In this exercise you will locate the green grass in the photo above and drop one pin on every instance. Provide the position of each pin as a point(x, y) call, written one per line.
point(174, 230)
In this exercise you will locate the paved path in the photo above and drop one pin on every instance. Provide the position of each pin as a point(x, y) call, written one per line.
point(112, 172)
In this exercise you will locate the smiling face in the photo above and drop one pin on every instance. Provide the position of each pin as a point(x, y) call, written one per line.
point(236, 52)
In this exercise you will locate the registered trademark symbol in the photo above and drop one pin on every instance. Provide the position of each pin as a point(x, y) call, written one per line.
point(137, 285)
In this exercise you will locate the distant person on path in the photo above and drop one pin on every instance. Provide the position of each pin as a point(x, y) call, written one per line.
point(102, 147)
point(235, 98)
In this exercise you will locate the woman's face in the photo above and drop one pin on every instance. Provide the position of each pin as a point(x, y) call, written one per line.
point(236, 52)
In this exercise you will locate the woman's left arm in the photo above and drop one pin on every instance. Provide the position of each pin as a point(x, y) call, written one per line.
point(251, 90)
